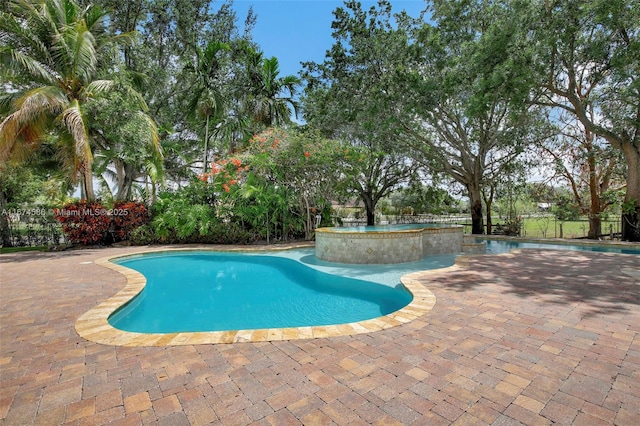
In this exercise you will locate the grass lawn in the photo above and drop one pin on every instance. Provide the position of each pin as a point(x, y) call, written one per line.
point(549, 227)
point(17, 249)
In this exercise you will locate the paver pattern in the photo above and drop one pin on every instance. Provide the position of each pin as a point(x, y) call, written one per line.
point(532, 337)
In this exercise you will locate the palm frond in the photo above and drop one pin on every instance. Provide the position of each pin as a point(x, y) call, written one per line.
point(36, 69)
point(152, 132)
point(23, 129)
point(17, 141)
point(155, 170)
point(22, 49)
point(98, 87)
point(65, 11)
point(95, 18)
point(123, 38)
point(136, 97)
point(192, 106)
point(84, 52)
point(66, 154)
point(105, 190)
point(75, 124)
point(7, 100)
point(46, 98)
point(137, 79)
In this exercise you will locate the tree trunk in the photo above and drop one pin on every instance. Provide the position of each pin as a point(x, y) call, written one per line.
point(595, 226)
point(488, 201)
point(206, 146)
point(370, 207)
point(631, 212)
point(87, 184)
point(595, 208)
point(153, 193)
point(5, 230)
point(125, 191)
point(475, 201)
point(371, 217)
point(121, 176)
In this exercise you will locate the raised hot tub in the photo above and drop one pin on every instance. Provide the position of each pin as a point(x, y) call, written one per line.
point(387, 243)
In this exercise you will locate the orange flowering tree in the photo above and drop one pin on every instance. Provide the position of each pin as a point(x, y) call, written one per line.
point(224, 174)
point(270, 191)
point(273, 187)
point(303, 166)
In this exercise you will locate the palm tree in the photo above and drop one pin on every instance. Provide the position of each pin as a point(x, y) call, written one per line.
point(126, 140)
point(271, 100)
point(207, 100)
point(54, 51)
point(130, 155)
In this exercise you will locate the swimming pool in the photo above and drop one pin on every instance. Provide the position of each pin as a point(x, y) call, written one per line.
point(217, 291)
point(504, 246)
point(94, 325)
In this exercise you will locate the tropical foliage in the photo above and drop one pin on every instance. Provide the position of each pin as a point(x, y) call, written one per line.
point(270, 192)
point(94, 223)
point(351, 97)
point(173, 104)
point(59, 56)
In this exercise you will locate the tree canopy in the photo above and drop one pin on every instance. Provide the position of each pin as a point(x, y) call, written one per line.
point(145, 97)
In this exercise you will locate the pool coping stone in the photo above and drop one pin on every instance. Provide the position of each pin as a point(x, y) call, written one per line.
point(94, 324)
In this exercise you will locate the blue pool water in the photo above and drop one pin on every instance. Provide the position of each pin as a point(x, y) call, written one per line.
point(394, 227)
point(213, 291)
point(503, 246)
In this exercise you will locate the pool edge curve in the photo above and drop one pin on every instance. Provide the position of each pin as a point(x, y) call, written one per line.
point(94, 326)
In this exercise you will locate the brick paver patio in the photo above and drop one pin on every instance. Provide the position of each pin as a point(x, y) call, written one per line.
point(533, 337)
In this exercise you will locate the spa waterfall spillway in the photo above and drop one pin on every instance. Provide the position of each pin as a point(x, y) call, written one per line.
point(387, 244)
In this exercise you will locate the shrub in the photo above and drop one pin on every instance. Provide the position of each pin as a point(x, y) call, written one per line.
point(84, 223)
point(143, 235)
point(126, 216)
point(177, 219)
point(230, 233)
point(93, 223)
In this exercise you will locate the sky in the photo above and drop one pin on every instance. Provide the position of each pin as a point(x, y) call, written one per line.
point(297, 31)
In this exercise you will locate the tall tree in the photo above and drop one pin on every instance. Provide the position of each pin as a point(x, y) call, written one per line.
point(127, 141)
point(170, 37)
point(59, 54)
point(463, 129)
point(271, 98)
point(475, 150)
point(208, 100)
point(589, 57)
point(588, 165)
point(350, 96)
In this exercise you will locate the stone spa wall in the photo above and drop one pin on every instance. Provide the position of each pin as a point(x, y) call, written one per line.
point(387, 246)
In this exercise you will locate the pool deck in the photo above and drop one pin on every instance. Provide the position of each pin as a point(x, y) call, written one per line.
point(530, 337)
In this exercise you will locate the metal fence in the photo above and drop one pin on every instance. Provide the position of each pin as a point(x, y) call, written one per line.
point(550, 227)
point(33, 226)
point(532, 226)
